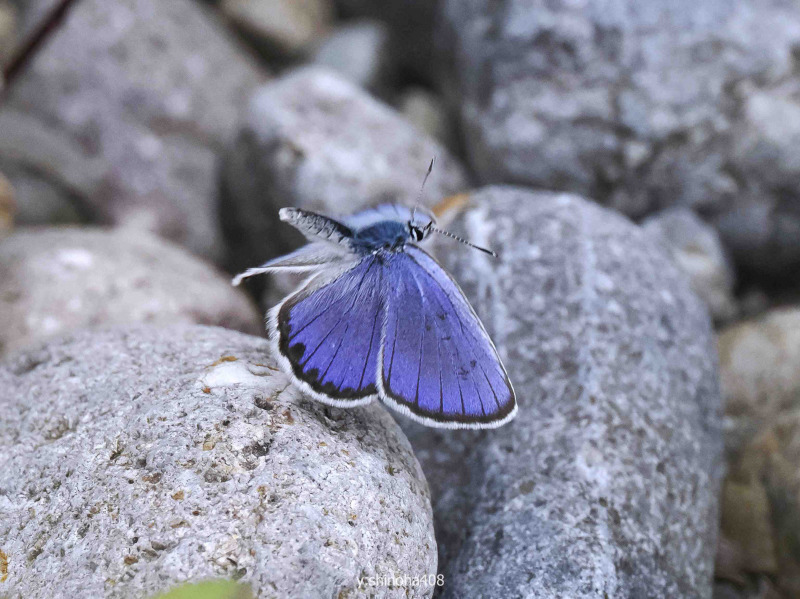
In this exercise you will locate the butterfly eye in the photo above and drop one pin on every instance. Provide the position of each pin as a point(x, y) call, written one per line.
point(416, 233)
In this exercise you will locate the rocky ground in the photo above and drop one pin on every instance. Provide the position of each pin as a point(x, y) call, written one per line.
point(634, 165)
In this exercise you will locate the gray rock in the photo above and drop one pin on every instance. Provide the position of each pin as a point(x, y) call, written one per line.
point(129, 129)
point(8, 206)
point(640, 105)
point(138, 458)
point(283, 27)
point(314, 140)
point(427, 112)
point(606, 484)
point(760, 374)
point(723, 590)
point(31, 15)
point(56, 280)
point(698, 251)
point(359, 52)
point(8, 32)
point(42, 203)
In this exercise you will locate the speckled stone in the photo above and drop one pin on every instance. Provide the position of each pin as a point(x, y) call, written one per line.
point(121, 117)
point(281, 28)
point(606, 484)
point(359, 51)
point(314, 140)
point(139, 458)
point(55, 280)
point(640, 105)
point(760, 373)
point(698, 252)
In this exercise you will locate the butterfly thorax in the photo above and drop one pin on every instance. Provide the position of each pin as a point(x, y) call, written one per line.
point(387, 235)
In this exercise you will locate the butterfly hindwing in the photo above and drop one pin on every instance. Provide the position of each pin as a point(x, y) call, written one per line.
point(438, 364)
point(329, 333)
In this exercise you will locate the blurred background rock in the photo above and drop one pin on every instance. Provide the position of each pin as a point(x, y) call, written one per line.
point(7, 204)
point(196, 120)
point(120, 116)
point(56, 280)
point(9, 30)
point(280, 28)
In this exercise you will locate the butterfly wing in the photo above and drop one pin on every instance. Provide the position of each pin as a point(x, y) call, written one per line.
point(310, 257)
point(390, 212)
point(317, 227)
point(438, 364)
point(328, 333)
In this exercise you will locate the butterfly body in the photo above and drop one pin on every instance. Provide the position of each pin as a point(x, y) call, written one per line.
point(386, 235)
point(378, 318)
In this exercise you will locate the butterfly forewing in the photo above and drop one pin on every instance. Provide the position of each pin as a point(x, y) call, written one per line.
point(330, 334)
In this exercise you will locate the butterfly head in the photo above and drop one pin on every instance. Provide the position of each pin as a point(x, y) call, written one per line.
point(419, 231)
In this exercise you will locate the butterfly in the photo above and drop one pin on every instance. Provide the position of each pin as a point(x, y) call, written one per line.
point(379, 318)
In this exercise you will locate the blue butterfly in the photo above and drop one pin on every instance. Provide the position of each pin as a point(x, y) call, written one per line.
point(379, 318)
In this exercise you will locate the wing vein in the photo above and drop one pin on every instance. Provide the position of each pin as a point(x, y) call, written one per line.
point(338, 322)
point(394, 345)
point(439, 361)
point(467, 335)
point(378, 312)
point(336, 353)
point(421, 340)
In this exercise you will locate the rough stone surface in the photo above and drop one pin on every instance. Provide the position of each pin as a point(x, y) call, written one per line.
point(57, 280)
point(316, 141)
point(781, 477)
point(697, 250)
point(284, 27)
point(122, 114)
point(746, 525)
point(640, 105)
point(759, 366)
point(606, 483)
point(761, 504)
point(359, 52)
point(139, 458)
point(760, 373)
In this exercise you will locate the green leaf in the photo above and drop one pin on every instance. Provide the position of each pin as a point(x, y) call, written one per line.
point(210, 589)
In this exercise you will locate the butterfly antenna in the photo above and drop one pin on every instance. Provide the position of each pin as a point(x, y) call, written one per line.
point(462, 240)
point(422, 187)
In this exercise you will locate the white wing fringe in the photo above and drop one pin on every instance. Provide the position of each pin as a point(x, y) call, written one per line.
point(307, 258)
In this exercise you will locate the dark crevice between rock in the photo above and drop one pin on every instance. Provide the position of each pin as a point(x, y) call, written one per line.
point(34, 42)
point(76, 209)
